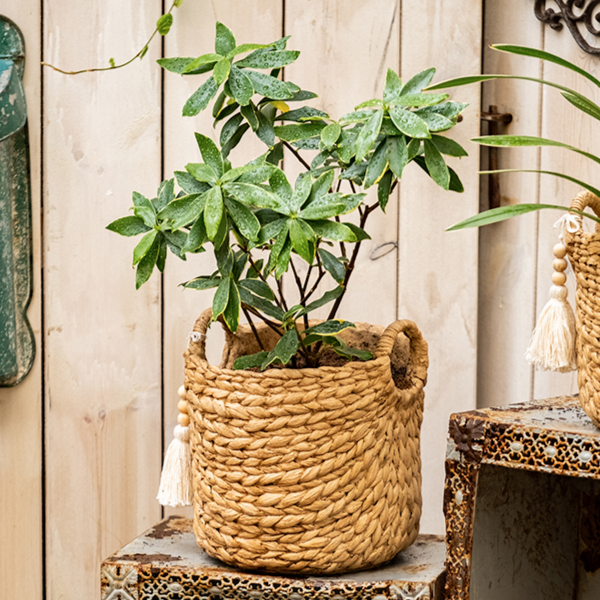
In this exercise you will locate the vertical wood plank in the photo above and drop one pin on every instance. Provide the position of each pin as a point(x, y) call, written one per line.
point(193, 34)
point(438, 270)
point(508, 250)
point(564, 123)
point(21, 524)
point(345, 60)
point(103, 426)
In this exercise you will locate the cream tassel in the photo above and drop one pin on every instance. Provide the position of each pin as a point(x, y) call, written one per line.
point(552, 345)
point(176, 478)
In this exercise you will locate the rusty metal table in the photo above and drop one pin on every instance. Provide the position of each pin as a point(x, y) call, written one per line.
point(522, 503)
point(166, 564)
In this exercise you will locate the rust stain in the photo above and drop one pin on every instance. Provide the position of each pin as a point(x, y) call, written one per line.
point(146, 559)
point(168, 527)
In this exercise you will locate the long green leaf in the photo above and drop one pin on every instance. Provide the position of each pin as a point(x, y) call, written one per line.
point(409, 123)
point(269, 60)
point(377, 165)
point(231, 314)
point(202, 283)
point(326, 298)
point(249, 361)
point(183, 210)
point(582, 104)
point(587, 186)
point(285, 348)
point(393, 87)
point(201, 172)
point(517, 141)
point(293, 133)
point(503, 213)
point(146, 265)
point(245, 221)
point(240, 85)
point(543, 55)
point(333, 265)
point(224, 40)
point(436, 165)
point(459, 81)
point(213, 211)
point(397, 154)
point(128, 226)
point(418, 82)
point(144, 246)
point(253, 195)
point(210, 153)
point(269, 87)
point(221, 298)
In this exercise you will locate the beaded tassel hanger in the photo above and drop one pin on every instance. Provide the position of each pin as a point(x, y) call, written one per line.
point(176, 478)
point(552, 345)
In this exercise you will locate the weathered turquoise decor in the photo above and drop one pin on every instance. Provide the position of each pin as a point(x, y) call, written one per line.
point(17, 344)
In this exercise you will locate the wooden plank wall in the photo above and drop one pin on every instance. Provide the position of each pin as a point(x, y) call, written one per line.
point(81, 438)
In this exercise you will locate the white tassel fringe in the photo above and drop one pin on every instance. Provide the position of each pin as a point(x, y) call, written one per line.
point(176, 478)
point(552, 345)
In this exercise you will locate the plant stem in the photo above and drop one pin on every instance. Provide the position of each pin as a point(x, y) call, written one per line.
point(251, 323)
point(297, 155)
point(261, 277)
point(112, 67)
point(281, 296)
point(301, 290)
point(350, 267)
point(266, 321)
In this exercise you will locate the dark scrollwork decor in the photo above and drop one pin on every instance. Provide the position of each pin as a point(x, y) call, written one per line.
point(572, 12)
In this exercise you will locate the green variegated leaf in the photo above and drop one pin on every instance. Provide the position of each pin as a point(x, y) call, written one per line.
point(208, 60)
point(374, 103)
point(269, 60)
point(146, 264)
point(359, 234)
point(269, 87)
point(183, 210)
point(196, 237)
point(435, 121)
point(224, 40)
point(199, 100)
point(221, 70)
point(245, 221)
point(220, 299)
point(231, 314)
point(241, 86)
point(243, 48)
point(334, 231)
point(144, 246)
point(250, 116)
point(330, 327)
point(202, 172)
point(334, 266)
point(384, 188)
point(262, 304)
point(306, 113)
point(234, 140)
point(285, 348)
point(301, 192)
point(330, 134)
point(292, 133)
point(396, 154)
point(321, 186)
point(415, 100)
point(202, 283)
point(409, 123)
point(350, 353)
point(393, 87)
point(165, 194)
point(250, 361)
point(447, 109)
point(265, 132)
point(377, 165)
point(257, 173)
point(189, 184)
point(175, 65)
point(368, 135)
point(253, 195)
point(448, 146)
point(326, 298)
point(271, 230)
point(413, 148)
point(128, 226)
point(345, 148)
point(210, 153)
point(436, 165)
point(455, 182)
point(283, 260)
point(300, 242)
point(258, 287)
point(418, 82)
point(144, 209)
point(281, 186)
point(213, 211)
point(324, 207)
point(229, 129)
point(218, 105)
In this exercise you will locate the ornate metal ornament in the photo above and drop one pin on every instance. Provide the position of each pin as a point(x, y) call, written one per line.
point(572, 12)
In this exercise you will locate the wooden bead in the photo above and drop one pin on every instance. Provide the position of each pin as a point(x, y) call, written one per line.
point(560, 264)
point(183, 420)
point(181, 392)
point(559, 278)
point(182, 405)
point(560, 250)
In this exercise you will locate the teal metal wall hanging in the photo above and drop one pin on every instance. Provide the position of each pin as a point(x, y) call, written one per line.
point(17, 343)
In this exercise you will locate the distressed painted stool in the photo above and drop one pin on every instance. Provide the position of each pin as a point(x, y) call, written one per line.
point(522, 503)
point(166, 564)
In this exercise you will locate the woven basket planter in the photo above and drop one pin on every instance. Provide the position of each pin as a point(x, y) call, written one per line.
point(584, 255)
point(307, 470)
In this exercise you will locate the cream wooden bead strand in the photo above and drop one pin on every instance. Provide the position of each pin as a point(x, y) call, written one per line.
point(552, 345)
point(176, 478)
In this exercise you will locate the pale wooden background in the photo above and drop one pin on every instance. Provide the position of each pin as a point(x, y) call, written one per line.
point(81, 439)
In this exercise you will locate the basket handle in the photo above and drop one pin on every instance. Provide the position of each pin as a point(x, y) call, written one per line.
point(198, 336)
point(587, 199)
point(418, 346)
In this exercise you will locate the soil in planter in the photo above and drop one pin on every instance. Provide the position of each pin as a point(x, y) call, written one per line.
point(364, 337)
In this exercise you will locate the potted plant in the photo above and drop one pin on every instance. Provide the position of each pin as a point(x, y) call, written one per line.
point(559, 341)
point(305, 442)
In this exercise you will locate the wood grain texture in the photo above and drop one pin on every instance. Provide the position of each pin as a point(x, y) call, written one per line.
point(508, 250)
point(21, 552)
point(103, 426)
point(437, 270)
point(345, 60)
point(193, 34)
point(563, 123)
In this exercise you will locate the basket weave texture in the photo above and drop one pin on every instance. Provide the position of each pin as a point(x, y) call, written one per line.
point(306, 470)
point(584, 254)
